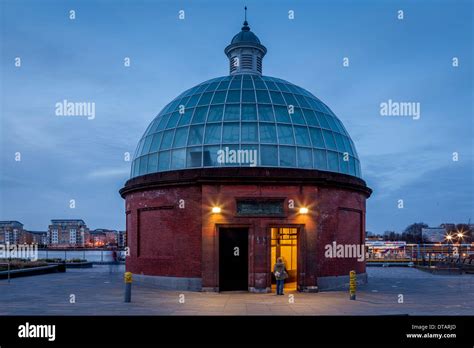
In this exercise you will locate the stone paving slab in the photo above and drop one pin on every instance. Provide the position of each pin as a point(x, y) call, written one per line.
point(97, 291)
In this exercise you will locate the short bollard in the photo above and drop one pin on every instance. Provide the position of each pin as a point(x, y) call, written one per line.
point(128, 286)
point(352, 285)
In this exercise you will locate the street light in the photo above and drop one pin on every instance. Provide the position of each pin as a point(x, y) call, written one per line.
point(449, 238)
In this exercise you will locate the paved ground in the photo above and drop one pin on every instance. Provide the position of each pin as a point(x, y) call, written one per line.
point(97, 292)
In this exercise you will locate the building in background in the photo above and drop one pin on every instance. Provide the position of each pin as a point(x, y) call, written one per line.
point(122, 239)
point(11, 232)
point(449, 233)
point(434, 234)
point(63, 233)
point(38, 237)
point(102, 237)
point(385, 249)
point(97, 238)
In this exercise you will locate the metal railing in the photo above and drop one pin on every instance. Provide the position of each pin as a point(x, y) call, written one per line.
point(8, 269)
point(91, 255)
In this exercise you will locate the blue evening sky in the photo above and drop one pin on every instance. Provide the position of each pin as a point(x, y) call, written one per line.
point(64, 158)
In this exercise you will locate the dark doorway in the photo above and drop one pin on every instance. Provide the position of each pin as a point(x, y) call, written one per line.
point(233, 259)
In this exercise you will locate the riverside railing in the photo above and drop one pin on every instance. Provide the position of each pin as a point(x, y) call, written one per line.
point(8, 269)
point(91, 255)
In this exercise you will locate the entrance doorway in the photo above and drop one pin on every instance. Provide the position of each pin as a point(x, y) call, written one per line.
point(233, 259)
point(284, 244)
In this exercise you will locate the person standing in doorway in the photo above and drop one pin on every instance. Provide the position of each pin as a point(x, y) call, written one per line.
point(279, 270)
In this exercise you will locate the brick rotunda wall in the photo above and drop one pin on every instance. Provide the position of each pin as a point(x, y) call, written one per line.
point(164, 239)
point(172, 232)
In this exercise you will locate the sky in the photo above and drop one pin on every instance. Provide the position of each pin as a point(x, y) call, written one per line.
point(81, 159)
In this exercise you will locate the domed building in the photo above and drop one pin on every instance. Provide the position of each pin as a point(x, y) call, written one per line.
point(238, 171)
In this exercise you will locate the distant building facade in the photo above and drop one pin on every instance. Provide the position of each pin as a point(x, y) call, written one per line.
point(439, 234)
point(64, 233)
point(434, 234)
point(11, 232)
point(37, 237)
point(102, 237)
point(122, 239)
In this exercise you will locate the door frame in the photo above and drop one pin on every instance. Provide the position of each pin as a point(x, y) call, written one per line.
point(300, 252)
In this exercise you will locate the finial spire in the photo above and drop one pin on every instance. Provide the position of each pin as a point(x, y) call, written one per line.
point(246, 24)
point(245, 51)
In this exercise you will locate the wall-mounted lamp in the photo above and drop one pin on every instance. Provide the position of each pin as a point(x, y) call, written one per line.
point(216, 210)
point(303, 210)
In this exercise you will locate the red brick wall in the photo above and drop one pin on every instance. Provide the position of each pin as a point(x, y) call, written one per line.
point(164, 239)
point(342, 219)
point(184, 242)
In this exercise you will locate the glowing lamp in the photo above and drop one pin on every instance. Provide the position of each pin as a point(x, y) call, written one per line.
point(303, 210)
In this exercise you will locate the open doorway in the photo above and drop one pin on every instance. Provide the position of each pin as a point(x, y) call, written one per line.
point(284, 244)
point(233, 259)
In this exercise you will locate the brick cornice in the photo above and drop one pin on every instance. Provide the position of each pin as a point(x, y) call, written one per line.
point(245, 176)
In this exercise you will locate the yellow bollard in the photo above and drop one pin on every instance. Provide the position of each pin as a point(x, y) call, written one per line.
point(352, 285)
point(127, 277)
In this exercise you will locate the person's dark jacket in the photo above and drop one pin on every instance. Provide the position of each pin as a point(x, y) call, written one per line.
point(279, 270)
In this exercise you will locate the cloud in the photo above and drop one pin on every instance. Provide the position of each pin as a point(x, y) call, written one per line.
point(392, 171)
point(108, 173)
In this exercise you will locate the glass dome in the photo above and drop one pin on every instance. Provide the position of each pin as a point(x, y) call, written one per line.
point(283, 124)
